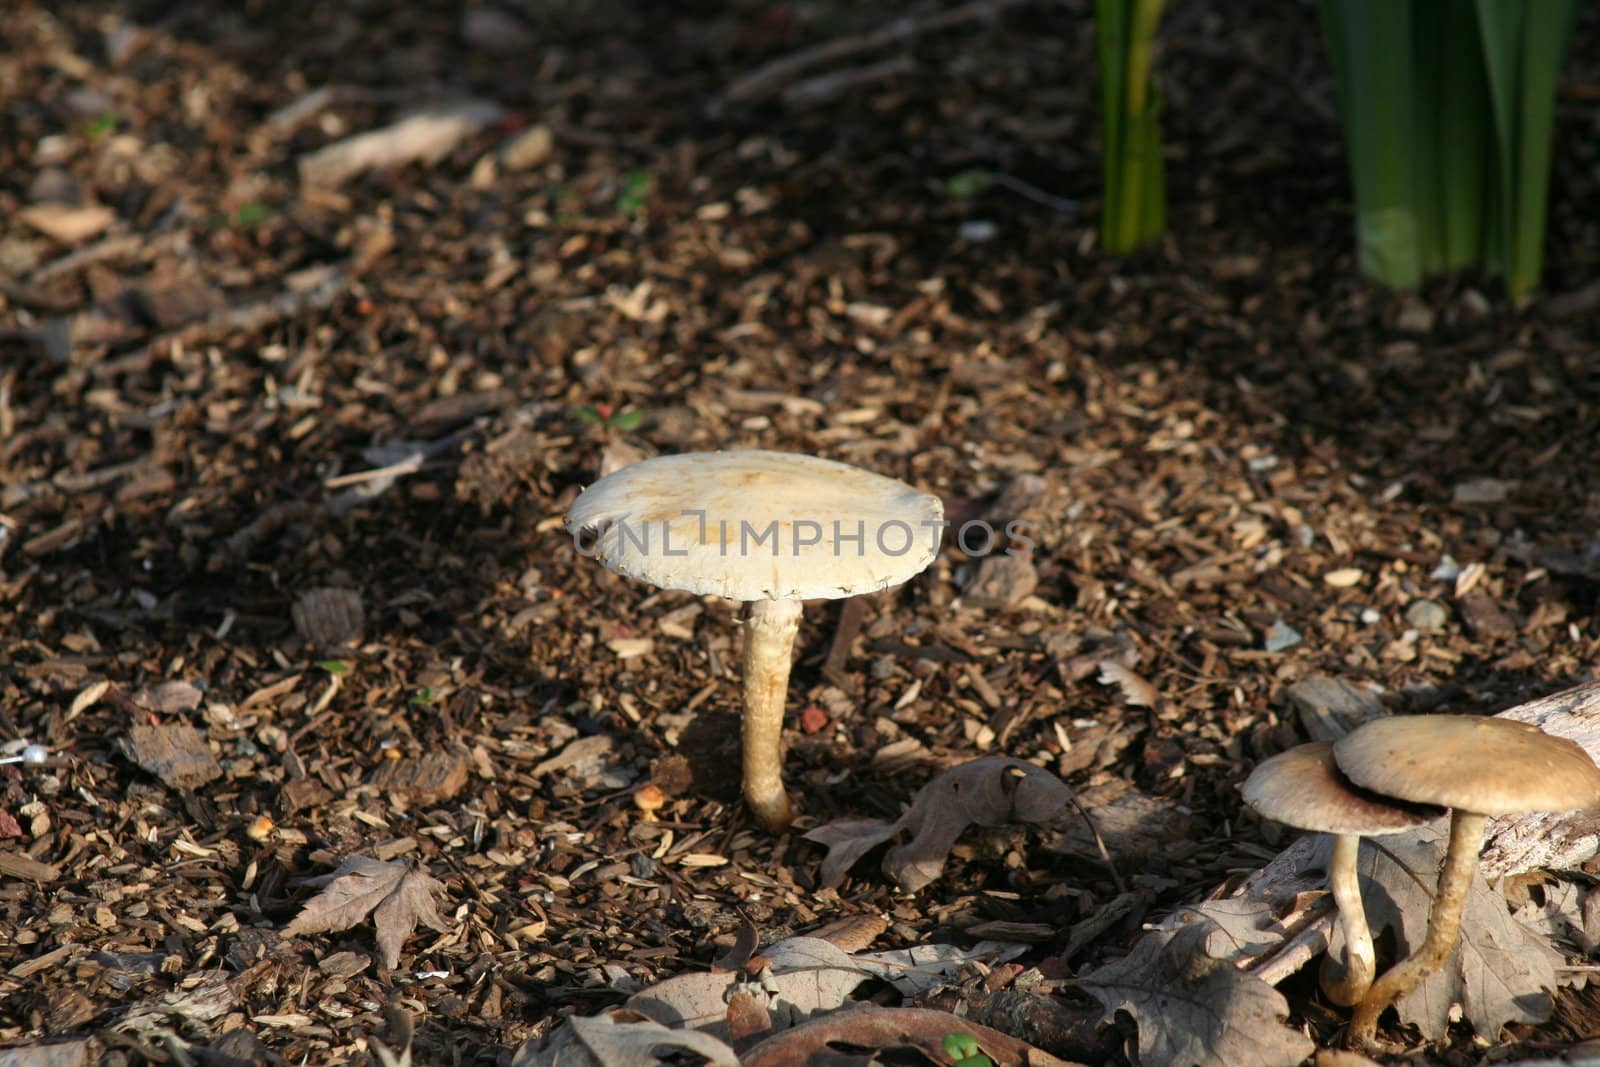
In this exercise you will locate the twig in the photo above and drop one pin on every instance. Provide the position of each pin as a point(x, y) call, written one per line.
point(769, 79)
point(291, 116)
point(851, 614)
point(1034, 193)
point(410, 465)
point(1100, 844)
point(241, 541)
point(317, 289)
point(835, 83)
point(108, 248)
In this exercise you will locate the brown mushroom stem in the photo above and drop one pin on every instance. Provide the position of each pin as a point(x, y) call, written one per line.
point(1444, 925)
point(1346, 980)
point(768, 646)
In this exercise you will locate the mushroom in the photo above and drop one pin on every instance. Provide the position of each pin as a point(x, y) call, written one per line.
point(1477, 767)
point(771, 528)
point(1303, 788)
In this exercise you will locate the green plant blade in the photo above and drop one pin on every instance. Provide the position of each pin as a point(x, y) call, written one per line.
point(1544, 40)
point(1371, 42)
point(1463, 135)
point(1134, 206)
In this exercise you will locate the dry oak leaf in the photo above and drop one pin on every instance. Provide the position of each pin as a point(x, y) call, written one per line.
point(1500, 971)
point(619, 1038)
point(1193, 1010)
point(989, 792)
point(908, 1035)
point(396, 895)
point(1564, 914)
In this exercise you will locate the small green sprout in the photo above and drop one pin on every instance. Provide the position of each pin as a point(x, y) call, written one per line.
point(423, 697)
point(99, 127)
point(335, 666)
point(963, 1048)
point(625, 420)
point(968, 183)
point(634, 191)
point(250, 214)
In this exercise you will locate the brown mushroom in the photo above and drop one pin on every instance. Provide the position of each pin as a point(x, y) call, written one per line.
point(1304, 789)
point(1477, 767)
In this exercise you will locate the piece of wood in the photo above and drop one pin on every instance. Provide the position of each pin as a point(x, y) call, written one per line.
point(430, 779)
point(174, 752)
point(25, 868)
point(1329, 708)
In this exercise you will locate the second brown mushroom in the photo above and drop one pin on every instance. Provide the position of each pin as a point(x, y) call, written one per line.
point(1304, 789)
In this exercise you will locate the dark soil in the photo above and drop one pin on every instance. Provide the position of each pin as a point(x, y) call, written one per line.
point(1202, 436)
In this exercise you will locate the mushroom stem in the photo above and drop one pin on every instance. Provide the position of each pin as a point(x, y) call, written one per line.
point(1444, 924)
point(1346, 980)
point(768, 645)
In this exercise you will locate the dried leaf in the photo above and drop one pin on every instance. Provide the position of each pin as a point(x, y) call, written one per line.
point(68, 223)
point(852, 932)
point(618, 1039)
point(1137, 691)
point(169, 697)
point(583, 758)
point(699, 1001)
point(803, 976)
point(1138, 830)
point(739, 953)
point(1194, 1010)
point(847, 840)
point(917, 1034)
point(989, 792)
point(911, 971)
point(1500, 971)
point(395, 894)
point(747, 1017)
point(920, 968)
point(1236, 927)
point(61, 1054)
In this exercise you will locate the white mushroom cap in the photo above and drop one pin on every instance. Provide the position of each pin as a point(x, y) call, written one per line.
point(754, 525)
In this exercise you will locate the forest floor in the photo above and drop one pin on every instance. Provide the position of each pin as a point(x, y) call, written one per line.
point(232, 375)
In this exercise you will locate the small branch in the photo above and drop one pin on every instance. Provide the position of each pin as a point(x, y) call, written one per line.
point(769, 79)
point(109, 248)
point(314, 289)
point(818, 90)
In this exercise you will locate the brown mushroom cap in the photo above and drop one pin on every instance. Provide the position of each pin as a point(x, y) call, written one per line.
point(1485, 765)
point(1303, 788)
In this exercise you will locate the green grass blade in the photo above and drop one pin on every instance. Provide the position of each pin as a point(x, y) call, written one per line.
point(1544, 38)
point(1464, 136)
point(1134, 196)
point(1500, 30)
point(1371, 41)
point(1111, 25)
point(1428, 174)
